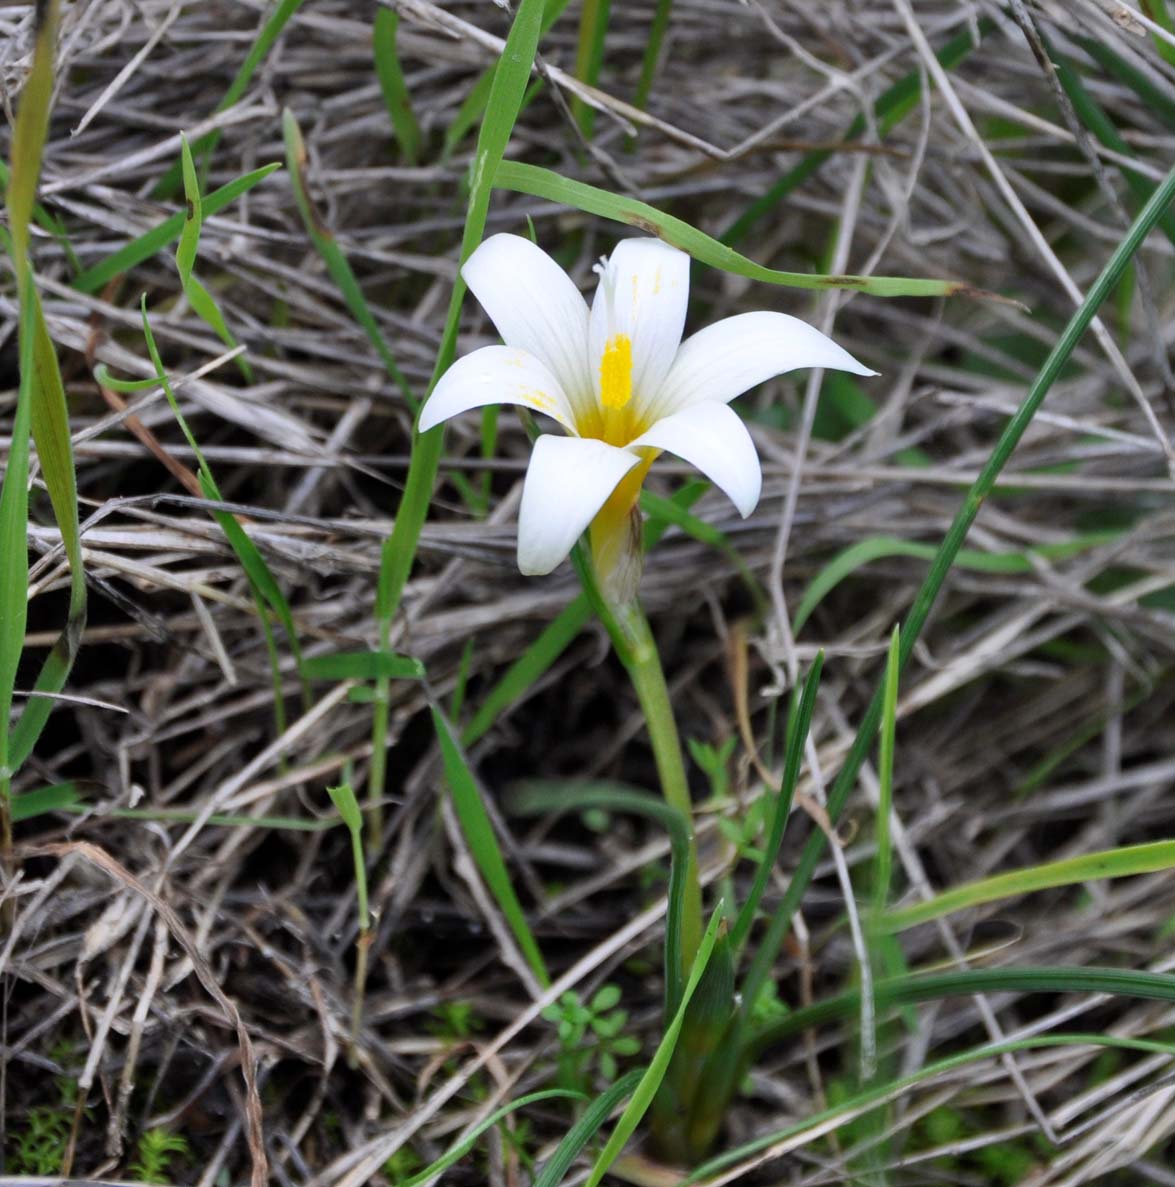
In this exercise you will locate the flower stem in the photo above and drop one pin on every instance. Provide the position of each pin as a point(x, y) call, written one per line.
point(634, 643)
point(648, 679)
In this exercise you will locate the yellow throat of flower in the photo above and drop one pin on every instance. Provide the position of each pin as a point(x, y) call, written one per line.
point(616, 390)
point(616, 372)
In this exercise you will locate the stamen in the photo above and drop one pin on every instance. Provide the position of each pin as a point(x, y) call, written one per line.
point(616, 372)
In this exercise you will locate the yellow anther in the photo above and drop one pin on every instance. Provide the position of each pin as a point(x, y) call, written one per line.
point(616, 372)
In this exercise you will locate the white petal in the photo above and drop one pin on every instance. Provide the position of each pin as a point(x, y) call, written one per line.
point(643, 293)
point(535, 306)
point(496, 375)
point(567, 482)
point(712, 437)
point(725, 359)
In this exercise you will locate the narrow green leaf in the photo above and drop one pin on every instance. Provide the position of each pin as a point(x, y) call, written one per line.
point(336, 262)
point(875, 548)
point(543, 183)
point(461, 1148)
point(14, 523)
point(150, 242)
point(589, 57)
point(582, 1132)
point(1125, 862)
point(646, 1089)
point(55, 798)
point(483, 844)
point(200, 299)
point(347, 806)
point(363, 665)
point(262, 582)
point(889, 715)
point(797, 736)
point(920, 987)
point(391, 82)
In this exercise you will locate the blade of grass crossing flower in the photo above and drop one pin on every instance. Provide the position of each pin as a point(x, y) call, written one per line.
point(392, 84)
point(874, 548)
point(168, 185)
point(891, 107)
point(159, 237)
point(1125, 862)
point(201, 300)
point(461, 1148)
point(586, 1128)
point(479, 835)
point(797, 734)
point(646, 1089)
point(336, 262)
point(399, 549)
point(832, 1118)
point(543, 183)
point(534, 797)
point(263, 584)
point(943, 561)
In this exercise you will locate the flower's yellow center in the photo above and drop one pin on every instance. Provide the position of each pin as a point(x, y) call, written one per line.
point(616, 372)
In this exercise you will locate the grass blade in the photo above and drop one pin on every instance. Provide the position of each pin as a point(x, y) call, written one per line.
point(585, 1129)
point(1125, 862)
point(461, 1148)
point(363, 665)
point(14, 573)
point(201, 300)
point(797, 735)
point(920, 987)
point(646, 1089)
point(874, 548)
point(262, 582)
point(391, 82)
point(336, 262)
point(47, 408)
point(57, 798)
point(147, 244)
point(543, 183)
point(479, 835)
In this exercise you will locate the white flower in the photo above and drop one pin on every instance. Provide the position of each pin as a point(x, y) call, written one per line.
point(621, 382)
